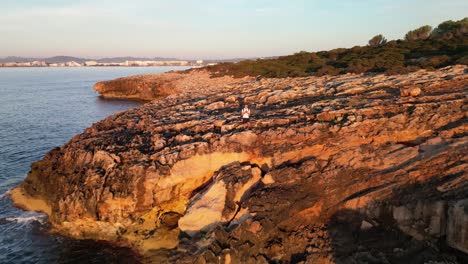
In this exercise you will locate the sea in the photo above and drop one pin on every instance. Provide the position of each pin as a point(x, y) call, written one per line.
point(42, 108)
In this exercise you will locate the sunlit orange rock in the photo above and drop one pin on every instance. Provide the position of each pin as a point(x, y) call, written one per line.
point(335, 169)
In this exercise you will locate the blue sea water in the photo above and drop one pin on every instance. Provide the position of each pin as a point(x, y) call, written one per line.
point(41, 108)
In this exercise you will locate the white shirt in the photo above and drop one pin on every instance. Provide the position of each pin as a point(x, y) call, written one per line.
point(245, 113)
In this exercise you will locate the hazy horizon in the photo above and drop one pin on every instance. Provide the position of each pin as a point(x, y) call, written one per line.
point(123, 56)
point(207, 29)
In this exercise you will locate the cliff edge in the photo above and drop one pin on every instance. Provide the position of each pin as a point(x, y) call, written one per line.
point(342, 169)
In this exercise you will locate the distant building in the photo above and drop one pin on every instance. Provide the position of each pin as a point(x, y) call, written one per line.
point(39, 63)
point(23, 64)
point(91, 63)
point(95, 63)
point(72, 64)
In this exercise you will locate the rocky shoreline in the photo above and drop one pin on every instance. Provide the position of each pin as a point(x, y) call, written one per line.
point(336, 169)
point(157, 86)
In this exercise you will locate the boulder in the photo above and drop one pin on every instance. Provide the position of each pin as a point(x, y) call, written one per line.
point(215, 106)
point(412, 92)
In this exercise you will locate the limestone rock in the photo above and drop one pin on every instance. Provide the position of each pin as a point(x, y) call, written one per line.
point(157, 86)
point(170, 220)
point(215, 106)
point(412, 91)
point(206, 211)
point(180, 178)
point(246, 138)
point(457, 228)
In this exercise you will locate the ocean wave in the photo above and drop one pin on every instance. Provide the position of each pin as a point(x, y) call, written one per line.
point(28, 217)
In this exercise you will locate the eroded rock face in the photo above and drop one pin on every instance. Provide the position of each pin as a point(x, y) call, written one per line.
point(330, 166)
point(457, 227)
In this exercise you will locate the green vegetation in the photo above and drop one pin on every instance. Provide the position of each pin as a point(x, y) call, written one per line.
point(423, 48)
point(378, 40)
point(423, 32)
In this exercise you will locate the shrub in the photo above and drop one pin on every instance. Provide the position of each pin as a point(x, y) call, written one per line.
point(377, 40)
point(449, 29)
point(420, 33)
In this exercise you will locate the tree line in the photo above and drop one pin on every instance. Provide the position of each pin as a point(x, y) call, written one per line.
point(421, 48)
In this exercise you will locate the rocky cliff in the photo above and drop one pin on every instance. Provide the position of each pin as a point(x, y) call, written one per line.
point(157, 86)
point(343, 169)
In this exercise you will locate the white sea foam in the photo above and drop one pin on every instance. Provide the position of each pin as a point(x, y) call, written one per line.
point(28, 217)
point(3, 195)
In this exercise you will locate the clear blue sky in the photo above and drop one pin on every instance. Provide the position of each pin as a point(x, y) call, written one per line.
point(208, 28)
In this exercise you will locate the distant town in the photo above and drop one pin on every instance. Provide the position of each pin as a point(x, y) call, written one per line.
point(92, 63)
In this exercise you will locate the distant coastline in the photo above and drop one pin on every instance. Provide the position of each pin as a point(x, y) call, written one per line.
point(144, 63)
point(70, 61)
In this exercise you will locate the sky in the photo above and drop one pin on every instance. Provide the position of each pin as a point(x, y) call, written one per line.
point(208, 29)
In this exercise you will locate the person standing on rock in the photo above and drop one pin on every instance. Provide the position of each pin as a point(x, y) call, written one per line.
point(246, 116)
